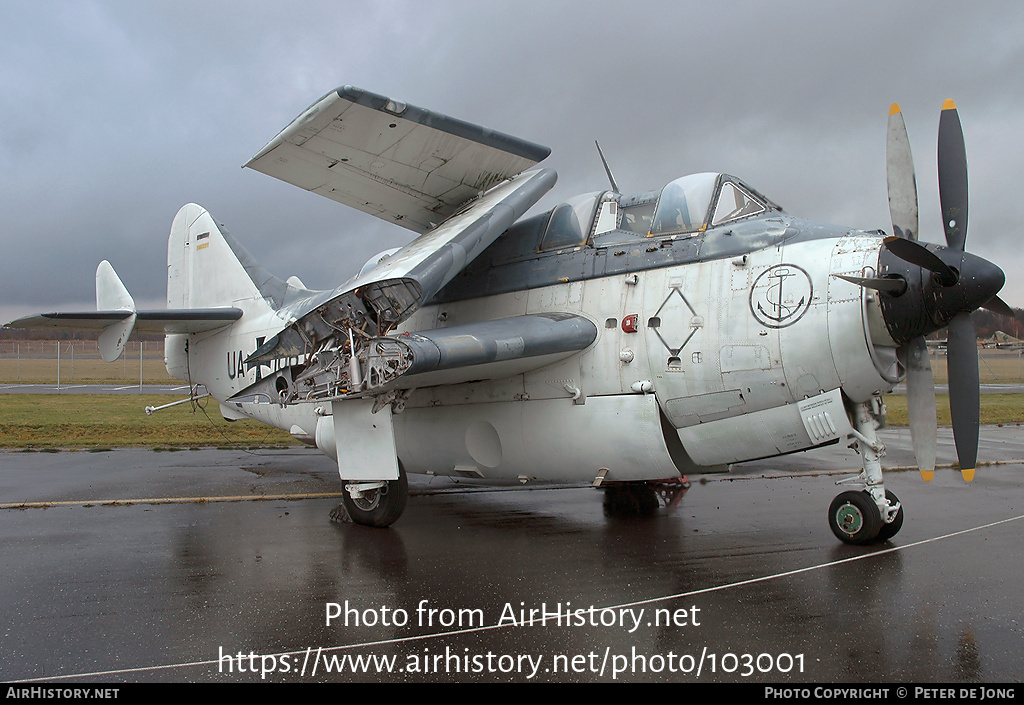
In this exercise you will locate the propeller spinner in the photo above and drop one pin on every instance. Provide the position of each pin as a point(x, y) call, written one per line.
point(943, 286)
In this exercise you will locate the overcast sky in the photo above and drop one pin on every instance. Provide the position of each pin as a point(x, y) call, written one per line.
point(114, 114)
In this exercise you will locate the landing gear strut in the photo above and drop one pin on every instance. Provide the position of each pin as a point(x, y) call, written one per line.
point(872, 514)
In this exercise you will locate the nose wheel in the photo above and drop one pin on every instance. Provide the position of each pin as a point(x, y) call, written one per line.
point(854, 518)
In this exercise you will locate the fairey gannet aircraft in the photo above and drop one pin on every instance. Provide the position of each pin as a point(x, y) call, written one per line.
point(623, 339)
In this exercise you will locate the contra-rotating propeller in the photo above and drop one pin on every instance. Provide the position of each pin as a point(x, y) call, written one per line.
point(943, 285)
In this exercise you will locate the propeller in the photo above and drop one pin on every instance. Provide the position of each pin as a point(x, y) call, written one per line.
point(892, 285)
point(998, 306)
point(943, 286)
point(903, 210)
point(962, 346)
point(911, 251)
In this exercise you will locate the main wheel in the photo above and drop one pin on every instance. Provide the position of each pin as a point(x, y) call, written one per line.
point(854, 518)
point(380, 507)
point(889, 530)
point(630, 499)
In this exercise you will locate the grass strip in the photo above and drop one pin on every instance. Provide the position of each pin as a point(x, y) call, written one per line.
point(995, 409)
point(44, 421)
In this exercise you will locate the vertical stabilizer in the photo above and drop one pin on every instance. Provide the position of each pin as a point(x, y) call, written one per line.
point(203, 269)
point(111, 295)
point(209, 269)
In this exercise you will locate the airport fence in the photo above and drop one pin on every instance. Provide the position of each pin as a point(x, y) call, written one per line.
point(67, 361)
point(79, 361)
point(994, 365)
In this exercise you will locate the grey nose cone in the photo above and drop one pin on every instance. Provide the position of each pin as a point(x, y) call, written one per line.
point(979, 280)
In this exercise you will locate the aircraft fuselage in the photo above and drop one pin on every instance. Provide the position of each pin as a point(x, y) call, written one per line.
point(712, 348)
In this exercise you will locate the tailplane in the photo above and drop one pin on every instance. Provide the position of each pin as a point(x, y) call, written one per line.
point(211, 283)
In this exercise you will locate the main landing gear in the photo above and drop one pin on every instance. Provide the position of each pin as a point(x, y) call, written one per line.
point(377, 504)
point(873, 514)
point(643, 497)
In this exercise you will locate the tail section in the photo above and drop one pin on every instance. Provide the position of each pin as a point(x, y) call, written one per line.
point(211, 283)
point(203, 270)
point(208, 269)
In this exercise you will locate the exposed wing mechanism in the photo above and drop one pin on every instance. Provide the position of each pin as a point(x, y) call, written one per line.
point(380, 298)
point(401, 163)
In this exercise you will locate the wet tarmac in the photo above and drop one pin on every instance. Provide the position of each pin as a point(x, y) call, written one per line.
point(161, 566)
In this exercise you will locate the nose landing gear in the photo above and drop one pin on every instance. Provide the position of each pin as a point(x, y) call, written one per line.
point(873, 514)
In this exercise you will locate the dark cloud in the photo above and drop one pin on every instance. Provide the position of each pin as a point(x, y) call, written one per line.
point(114, 114)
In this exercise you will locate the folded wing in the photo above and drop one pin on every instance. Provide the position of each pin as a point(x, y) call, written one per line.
point(404, 164)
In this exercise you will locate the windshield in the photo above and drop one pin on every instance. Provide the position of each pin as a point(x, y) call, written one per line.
point(734, 202)
point(683, 205)
point(570, 222)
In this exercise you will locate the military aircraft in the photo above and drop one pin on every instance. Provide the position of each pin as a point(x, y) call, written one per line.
point(1003, 341)
point(621, 339)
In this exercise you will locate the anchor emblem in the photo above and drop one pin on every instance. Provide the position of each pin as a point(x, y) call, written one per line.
point(780, 295)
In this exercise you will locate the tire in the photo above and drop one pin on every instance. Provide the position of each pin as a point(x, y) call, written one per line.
point(630, 499)
point(854, 518)
point(381, 507)
point(887, 531)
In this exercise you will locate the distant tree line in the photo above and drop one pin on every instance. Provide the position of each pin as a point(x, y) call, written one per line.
point(987, 323)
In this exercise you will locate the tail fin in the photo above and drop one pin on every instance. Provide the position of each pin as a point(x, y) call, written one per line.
point(207, 267)
point(111, 295)
point(202, 270)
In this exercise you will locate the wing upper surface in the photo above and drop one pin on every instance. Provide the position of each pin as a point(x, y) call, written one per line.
point(404, 164)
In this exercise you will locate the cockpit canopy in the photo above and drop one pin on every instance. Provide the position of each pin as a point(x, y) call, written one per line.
point(685, 205)
point(690, 204)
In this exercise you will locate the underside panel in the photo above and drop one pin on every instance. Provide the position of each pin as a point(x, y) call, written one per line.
point(783, 429)
point(547, 440)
